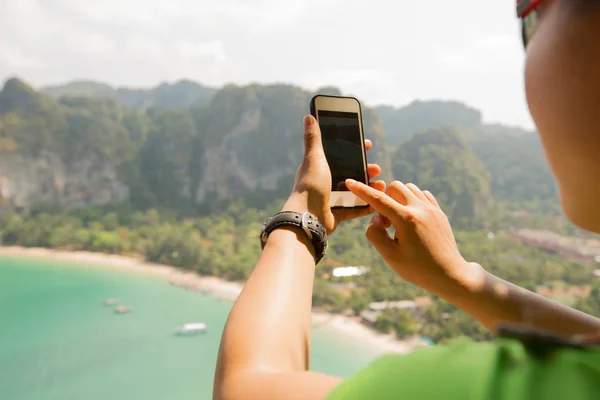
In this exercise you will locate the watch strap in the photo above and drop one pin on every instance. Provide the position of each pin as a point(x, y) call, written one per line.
point(311, 226)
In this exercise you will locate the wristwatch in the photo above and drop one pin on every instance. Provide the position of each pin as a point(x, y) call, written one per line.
point(313, 229)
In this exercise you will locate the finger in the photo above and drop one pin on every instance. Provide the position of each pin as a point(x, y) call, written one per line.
point(380, 201)
point(431, 198)
point(379, 237)
point(346, 214)
point(402, 194)
point(386, 222)
point(417, 192)
point(312, 135)
point(368, 145)
point(342, 215)
point(378, 185)
point(374, 170)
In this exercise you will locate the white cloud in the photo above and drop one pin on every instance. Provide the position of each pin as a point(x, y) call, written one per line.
point(212, 51)
point(381, 51)
point(91, 45)
point(373, 86)
point(494, 50)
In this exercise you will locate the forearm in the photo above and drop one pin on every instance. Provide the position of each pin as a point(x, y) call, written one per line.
point(493, 301)
point(269, 326)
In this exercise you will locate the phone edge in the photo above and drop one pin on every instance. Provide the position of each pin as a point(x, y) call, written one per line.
point(313, 112)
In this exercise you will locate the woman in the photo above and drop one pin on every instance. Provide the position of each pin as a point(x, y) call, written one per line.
point(541, 352)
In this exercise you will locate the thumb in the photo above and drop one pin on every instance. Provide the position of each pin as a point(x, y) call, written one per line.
point(312, 136)
point(379, 237)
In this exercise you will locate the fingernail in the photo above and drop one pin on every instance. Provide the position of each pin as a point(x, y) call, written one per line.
point(350, 182)
point(308, 122)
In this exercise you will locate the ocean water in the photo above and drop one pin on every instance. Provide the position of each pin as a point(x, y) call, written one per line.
point(58, 341)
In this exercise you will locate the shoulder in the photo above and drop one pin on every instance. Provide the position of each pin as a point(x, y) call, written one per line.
point(465, 369)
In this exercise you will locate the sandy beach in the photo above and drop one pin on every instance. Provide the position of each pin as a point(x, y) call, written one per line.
point(223, 289)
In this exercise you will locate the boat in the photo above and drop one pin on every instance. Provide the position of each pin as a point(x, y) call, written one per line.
point(122, 310)
point(192, 328)
point(188, 286)
point(111, 302)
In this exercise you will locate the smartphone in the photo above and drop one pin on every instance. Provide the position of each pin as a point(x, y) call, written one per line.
point(340, 119)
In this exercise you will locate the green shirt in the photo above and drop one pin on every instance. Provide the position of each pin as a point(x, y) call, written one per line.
point(501, 370)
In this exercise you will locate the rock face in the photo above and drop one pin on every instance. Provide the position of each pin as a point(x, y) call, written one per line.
point(181, 94)
point(188, 148)
point(230, 168)
point(247, 142)
point(250, 145)
point(253, 142)
point(46, 179)
point(64, 154)
point(440, 160)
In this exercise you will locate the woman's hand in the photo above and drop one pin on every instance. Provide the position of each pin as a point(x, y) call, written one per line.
point(423, 250)
point(312, 187)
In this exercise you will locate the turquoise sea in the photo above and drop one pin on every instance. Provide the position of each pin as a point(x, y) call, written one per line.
point(58, 341)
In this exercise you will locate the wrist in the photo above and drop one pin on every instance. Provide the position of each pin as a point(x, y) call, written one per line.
point(313, 202)
point(306, 230)
point(298, 202)
point(289, 237)
point(459, 287)
point(469, 275)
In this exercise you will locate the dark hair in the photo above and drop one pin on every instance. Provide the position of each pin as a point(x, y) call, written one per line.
point(582, 3)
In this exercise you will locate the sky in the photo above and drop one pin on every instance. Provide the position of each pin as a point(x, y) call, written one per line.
point(382, 51)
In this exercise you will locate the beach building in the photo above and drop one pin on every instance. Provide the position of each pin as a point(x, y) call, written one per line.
point(347, 272)
point(345, 288)
point(568, 247)
point(371, 314)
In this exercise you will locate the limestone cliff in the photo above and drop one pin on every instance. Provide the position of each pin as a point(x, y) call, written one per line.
point(27, 180)
point(79, 151)
point(51, 153)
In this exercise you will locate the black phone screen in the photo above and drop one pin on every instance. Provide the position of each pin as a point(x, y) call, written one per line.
point(343, 147)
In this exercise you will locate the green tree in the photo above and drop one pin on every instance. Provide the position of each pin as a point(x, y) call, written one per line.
point(591, 304)
point(441, 161)
point(108, 242)
point(357, 301)
point(405, 324)
point(110, 221)
point(385, 323)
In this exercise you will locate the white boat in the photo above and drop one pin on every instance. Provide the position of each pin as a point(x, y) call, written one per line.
point(122, 310)
point(111, 302)
point(188, 329)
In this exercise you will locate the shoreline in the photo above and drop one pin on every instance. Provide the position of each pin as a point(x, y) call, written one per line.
point(350, 327)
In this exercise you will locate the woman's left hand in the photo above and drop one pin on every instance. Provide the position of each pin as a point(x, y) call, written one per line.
point(312, 186)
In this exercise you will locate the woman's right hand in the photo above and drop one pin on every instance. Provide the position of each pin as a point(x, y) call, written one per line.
point(423, 250)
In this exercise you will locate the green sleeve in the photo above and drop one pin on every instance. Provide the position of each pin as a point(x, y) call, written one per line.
point(465, 370)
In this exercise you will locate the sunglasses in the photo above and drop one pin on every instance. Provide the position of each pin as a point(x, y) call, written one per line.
point(528, 13)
